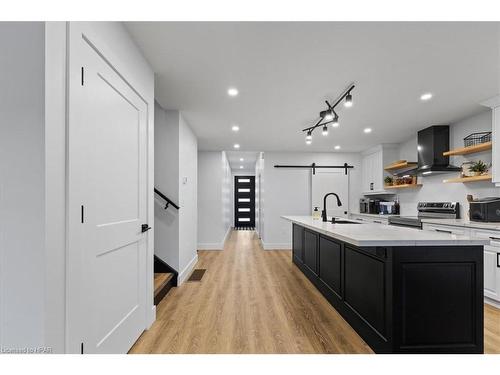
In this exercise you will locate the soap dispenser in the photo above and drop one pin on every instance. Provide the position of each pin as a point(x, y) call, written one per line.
point(316, 214)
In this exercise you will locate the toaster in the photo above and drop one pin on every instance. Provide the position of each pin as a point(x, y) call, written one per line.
point(485, 209)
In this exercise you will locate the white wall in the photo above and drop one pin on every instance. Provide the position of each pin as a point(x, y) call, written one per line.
point(433, 188)
point(210, 209)
point(227, 197)
point(288, 191)
point(167, 181)
point(214, 199)
point(259, 195)
point(176, 176)
point(22, 185)
point(188, 214)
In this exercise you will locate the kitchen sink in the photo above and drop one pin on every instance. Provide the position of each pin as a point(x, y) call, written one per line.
point(344, 222)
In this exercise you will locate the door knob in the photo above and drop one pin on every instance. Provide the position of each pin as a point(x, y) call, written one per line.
point(145, 228)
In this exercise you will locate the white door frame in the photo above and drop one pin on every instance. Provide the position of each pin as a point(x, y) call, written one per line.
point(75, 312)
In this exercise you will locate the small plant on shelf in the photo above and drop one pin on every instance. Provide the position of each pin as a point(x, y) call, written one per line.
point(388, 180)
point(479, 168)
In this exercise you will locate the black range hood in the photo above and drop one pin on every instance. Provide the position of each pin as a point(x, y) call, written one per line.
point(432, 142)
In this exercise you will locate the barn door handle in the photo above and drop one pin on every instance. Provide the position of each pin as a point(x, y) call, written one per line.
point(145, 228)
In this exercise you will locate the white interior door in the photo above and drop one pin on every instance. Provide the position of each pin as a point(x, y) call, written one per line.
point(108, 161)
point(330, 181)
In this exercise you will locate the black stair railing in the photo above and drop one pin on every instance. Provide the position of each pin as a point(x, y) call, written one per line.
point(168, 200)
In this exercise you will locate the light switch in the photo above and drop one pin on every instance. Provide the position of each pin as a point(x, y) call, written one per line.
point(184, 180)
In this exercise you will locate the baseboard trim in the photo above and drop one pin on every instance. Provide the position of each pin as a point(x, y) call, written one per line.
point(187, 270)
point(151, 317)
point(492, 302)
point(226, 236)
point(215, 246)
point(276, 246)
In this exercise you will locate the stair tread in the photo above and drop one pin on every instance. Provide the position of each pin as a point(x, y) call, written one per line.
point(160, 280)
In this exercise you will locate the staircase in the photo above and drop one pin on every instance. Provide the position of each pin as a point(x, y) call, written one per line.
point(165, 279)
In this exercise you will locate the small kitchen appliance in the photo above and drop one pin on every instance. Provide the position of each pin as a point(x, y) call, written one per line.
point(485, 209)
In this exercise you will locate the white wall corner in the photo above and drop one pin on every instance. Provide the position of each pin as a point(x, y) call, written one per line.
point(187, 270)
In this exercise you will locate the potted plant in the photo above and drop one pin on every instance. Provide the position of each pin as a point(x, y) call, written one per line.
point(479, 168)
point(388, 180)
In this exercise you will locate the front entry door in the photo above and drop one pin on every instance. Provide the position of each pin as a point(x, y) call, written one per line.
point(244, 201)
point(108, 151)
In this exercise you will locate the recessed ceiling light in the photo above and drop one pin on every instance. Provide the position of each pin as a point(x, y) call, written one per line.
point(232, 91)
point(426, 96)
point(236, 145)
point(367, 130)
point(337, 147)
point(235, 128)
point(241, 167)
point(241, 159)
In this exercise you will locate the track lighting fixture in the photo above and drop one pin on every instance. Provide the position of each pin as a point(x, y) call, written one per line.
point(348, 100)
point(335, 122)
point(325, 130)
point(329, 116)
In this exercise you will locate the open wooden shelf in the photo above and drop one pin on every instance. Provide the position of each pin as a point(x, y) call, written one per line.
point(468, 150)
point(484, 177)
point(400, 165)
point(404, 186)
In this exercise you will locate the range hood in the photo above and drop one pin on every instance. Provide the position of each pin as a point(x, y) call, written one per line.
point(432, 142)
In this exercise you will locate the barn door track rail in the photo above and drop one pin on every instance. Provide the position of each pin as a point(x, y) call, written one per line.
point(313, 166)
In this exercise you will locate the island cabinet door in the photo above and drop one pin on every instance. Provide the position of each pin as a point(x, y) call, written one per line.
point(298, 242)
point(365, 287)
point(311, 250)
point(330, 256)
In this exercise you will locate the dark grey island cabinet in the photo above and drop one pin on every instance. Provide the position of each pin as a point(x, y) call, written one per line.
point(400, 299)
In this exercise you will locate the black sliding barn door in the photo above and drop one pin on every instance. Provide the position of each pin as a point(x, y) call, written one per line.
point(244, 201)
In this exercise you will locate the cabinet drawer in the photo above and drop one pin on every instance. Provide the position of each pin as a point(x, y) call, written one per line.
point(447, 229)
point(492, 272)
point(492, 235)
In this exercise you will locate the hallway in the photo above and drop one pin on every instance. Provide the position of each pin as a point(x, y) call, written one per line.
point(256, 301)
point(249, 301)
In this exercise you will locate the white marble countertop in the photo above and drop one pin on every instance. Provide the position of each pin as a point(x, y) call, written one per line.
point(373, 234)
point(463, 223)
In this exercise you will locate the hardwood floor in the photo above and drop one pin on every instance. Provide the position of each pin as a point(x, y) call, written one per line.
point(256, 301)
point(491, 329)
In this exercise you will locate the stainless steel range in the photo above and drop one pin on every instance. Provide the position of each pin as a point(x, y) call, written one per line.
point(440, 210)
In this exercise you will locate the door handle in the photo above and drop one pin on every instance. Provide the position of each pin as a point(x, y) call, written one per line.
point(495, 238)
point(376, 221)
point(145, 228)
point(498, 260)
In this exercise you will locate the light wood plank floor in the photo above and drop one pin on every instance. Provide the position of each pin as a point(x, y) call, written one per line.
point(256, 301)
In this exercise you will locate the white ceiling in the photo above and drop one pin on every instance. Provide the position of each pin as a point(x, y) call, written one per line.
point(284, 72)
point(248, 163)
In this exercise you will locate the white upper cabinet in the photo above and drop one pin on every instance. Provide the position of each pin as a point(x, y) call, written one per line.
point(372, 165)
point(494, 104)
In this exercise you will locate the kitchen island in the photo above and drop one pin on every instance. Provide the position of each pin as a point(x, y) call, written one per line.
point(403, 290)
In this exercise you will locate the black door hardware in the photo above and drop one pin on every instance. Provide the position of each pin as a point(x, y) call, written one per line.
point(145, 228)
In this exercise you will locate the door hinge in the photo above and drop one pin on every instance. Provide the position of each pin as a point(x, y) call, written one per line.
point(81, 348)
point(82, 76)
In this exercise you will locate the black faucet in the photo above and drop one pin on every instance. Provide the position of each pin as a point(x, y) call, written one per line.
point(323, 213)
